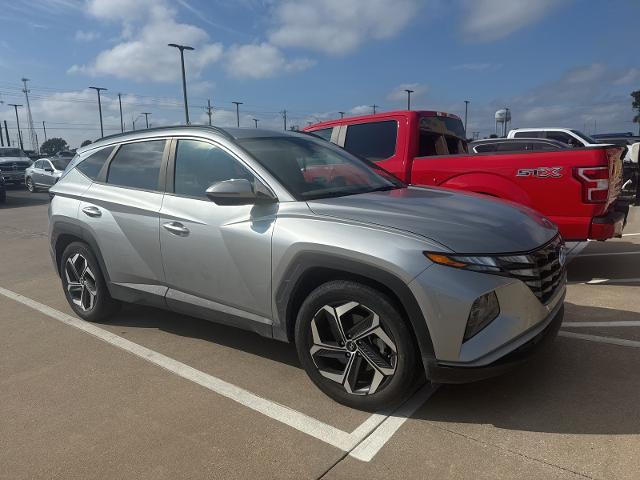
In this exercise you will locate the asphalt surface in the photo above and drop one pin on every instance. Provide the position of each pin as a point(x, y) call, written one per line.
point(79, 404)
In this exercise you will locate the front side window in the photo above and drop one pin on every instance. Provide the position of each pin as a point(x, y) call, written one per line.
point(92, 165)
point(375, 141)
point(560, 137)
point(137, 165)
point(529, 134)
point(512, 147)
point(60, 163)
point(46, 165)
point(200, 164)
point(484, 148)
point(310, 168)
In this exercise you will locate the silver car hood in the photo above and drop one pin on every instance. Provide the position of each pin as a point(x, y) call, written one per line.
point(463, 222)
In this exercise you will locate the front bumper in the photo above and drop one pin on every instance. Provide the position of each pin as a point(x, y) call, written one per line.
point(442, 373)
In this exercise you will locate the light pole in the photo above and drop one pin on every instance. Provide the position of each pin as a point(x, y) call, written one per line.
point(255, 120)
point(237, 104)
point(146, 117)
point(182, 48)
point(409, 92)
point(15, 106)
point(466, 111)
point(284, 116)
point(98, 89)
point(44, 127)
point(374, 106)
point(121, 122)
point(341, 115)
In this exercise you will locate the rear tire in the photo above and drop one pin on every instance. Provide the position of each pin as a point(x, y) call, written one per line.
point(84, 285)
point(356, 347)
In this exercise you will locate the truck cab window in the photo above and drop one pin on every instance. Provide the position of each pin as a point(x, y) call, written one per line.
point(375, 141)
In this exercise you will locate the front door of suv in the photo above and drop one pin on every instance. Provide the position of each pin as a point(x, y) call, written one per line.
point(121, 209)
point(217, 258)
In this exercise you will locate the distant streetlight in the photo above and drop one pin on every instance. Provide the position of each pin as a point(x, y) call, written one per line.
point(15, 106)
point(374, 106)
point(255, 120)
point(98, 89)
point(341, 115)
point(409, 92)
point(146, 117)
point(466, 110)
point(237, 104)
point(182, 48)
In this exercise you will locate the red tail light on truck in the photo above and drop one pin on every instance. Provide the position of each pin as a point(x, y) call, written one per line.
point(595, 183)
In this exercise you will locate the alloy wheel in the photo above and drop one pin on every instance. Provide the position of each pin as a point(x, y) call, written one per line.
point(81, 282)
point(30, 184)
point(351, 348)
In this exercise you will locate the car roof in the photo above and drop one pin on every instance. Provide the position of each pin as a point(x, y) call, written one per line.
point(516, 140)
point(228, 133)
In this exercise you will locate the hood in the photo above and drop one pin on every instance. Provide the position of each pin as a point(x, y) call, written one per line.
point(463, 222)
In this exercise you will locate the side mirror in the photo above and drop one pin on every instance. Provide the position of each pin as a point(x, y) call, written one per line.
point(50, 170)
point(239, 192)
point(635, 152)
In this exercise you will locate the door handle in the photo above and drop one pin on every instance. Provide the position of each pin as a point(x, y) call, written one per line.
point(176, 228)
point(92, 211)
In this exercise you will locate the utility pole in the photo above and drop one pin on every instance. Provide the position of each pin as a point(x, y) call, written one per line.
point(255, 120)
point(209, 110)
point(121, 122)
point(146, 117)
point(409, 92)
point(32, 131)
point(374, 106)
point(98, 89)
point(6, 132)
point(44, 127)
point(237, 112)
point(1, 137)
point(15, 106)
point(466, 111)
point(341, 115)
point(182, 48)
point(284, 117)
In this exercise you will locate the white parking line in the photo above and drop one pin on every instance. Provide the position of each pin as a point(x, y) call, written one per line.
point(622, 323)
point(582, 255)
point(630, 234)
point(595, 338)
point(606, 281)
point(375, 429)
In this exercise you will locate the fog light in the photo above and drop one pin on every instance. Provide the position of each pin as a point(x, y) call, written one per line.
point(483, 311)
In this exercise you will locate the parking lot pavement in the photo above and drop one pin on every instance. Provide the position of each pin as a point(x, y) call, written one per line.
point(76, 406)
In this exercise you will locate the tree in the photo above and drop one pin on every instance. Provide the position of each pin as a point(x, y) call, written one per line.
point(636, 106)
point(85, 143)
point(54, 145)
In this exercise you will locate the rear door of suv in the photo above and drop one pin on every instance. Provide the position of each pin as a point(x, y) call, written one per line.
point(121, 209)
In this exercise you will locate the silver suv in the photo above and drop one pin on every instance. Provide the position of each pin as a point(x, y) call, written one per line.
point(377, 283)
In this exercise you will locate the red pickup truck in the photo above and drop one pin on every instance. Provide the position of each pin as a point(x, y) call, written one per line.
point(575, 188)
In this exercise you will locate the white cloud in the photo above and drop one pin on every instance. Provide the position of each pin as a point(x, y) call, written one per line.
point(123, 9)
point(489, 20)
point(361, 110)
point(478, 67)
point(399, 94)
point(86, 36)
point(261, 61)
point(338, 27)
point(145, 55)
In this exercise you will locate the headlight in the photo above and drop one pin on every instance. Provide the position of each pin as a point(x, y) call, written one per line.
point(483, 311)
point(477, 264)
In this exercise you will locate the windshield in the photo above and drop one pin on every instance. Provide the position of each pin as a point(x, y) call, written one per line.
point(11, 152)
point(311, 169)
point(584, 137)
point(60, 163)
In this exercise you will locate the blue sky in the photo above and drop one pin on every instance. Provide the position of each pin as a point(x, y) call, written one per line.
point(553, 62)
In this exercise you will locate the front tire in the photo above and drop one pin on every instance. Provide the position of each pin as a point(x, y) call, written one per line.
point(355, 346)
point(84, 285)
point(30, 185)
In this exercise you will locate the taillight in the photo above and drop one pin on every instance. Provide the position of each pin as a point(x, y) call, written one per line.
point(595, 183)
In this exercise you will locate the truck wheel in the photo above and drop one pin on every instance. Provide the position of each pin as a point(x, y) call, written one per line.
point(355, 346)
point(84, 285)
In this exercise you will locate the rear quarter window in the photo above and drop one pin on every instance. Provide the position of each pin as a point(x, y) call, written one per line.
point(92, 165)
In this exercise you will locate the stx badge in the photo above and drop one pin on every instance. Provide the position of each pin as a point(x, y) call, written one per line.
point(540, 172)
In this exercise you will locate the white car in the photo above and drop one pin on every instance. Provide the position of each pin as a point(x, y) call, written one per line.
point(574, 138)
point(44, 173)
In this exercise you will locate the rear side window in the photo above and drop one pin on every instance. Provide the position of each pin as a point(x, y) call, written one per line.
point(199, 165)
point(559, 136)
point(137, 165)
point(512, 147)
point(534, 134)
point(92, 165)
point(324, 133)
point(375, 141)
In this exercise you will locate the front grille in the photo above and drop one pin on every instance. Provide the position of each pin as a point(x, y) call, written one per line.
point(542, 270)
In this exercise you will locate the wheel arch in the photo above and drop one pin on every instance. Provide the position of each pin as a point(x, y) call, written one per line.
point(310, 270)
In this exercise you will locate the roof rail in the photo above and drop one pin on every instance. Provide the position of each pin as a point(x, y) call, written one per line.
point(219, 130)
